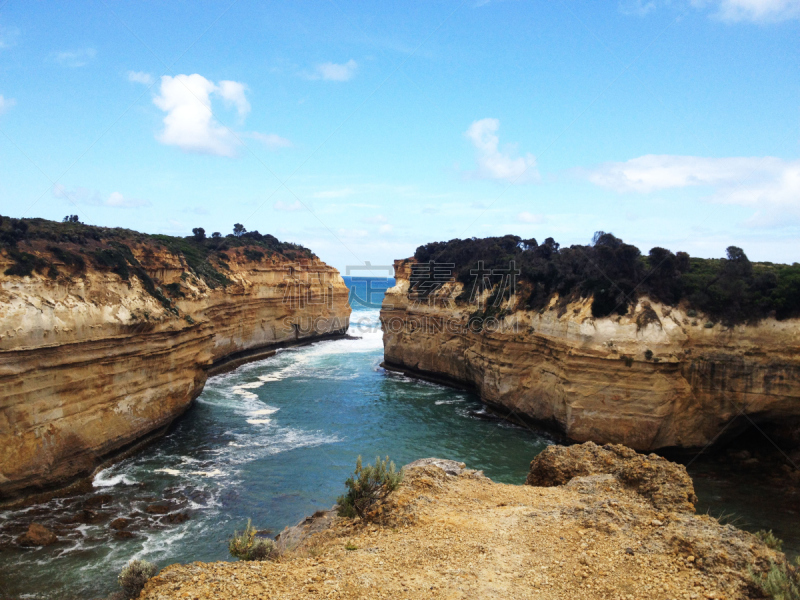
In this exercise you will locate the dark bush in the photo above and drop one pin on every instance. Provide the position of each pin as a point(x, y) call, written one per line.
point(368, 485)
point(613, 273)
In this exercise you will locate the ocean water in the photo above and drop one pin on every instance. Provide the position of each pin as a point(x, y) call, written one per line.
point(273, 441)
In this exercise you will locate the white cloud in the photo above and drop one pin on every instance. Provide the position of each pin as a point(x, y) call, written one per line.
point(271, 140)
point(6, 103)
point(189, 123)
point(768, 184)
point(334, 72)
point(293, 207)
point(75, 58)
point(82, 195)
point(526, 217)
point(494, 163)
point(376, 219)
point(233, 94)
point(759, 11)
point(731, 11)
point(385, 229)
point(140, 77)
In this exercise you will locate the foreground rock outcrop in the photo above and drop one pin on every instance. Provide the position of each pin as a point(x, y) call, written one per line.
point(118, 335)
point(449, 532)
point(658, 377)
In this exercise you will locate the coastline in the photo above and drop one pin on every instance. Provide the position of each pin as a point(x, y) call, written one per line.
point(83, 483)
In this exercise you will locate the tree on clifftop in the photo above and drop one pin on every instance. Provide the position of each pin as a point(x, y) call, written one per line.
point(239, 230)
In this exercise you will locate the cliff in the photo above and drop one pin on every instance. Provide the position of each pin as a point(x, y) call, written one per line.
point(109, 336)
point(622, 528)
point(656, 377)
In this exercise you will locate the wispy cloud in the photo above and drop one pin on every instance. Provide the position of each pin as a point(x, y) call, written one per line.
point(526, 217)
point(8, 37)
point(341, 193)
point(288, 207)
point(767, 184)
point(82, 195)
point(271, 140)
point(330, 71)
point(730, 11)
point(6, 103)
point(758, 11)
point(75, 58)
point(494, 163)
point(140, 77)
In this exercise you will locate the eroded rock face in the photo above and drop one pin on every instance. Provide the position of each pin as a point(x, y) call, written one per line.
point(92, 364)
point(654, 378)
point(666, 484)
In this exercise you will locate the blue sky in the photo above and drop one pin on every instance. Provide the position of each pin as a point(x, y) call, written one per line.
point(363, 129)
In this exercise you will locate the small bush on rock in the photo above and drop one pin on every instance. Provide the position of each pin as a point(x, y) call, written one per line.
point(246, 546)
point(367, 486)
point(133, 577)
point(770, 539)
point(781, 582)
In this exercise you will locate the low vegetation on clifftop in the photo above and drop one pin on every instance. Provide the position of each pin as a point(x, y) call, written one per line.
point(67, 249)
point(731, 290)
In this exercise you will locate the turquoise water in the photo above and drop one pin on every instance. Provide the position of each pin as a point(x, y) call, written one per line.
point(272, 441)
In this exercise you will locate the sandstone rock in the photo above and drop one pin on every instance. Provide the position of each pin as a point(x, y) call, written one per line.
point(37, 535)
point(451, 467)
point(92, 364)
point(291, 537)
point(157, 509)
point(590, 377)
point(666, 484)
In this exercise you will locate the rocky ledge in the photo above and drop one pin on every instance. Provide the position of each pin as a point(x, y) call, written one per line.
point(593, 522)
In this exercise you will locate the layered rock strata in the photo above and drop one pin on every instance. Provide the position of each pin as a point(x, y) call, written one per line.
point(658, 377)
point(91, 364)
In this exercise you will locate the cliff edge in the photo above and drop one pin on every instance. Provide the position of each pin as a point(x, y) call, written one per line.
point(658, 376)
point(449, 532)
point(107, 335)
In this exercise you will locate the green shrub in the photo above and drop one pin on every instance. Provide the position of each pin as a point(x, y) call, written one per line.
point(781, 582)
point(770, 539)
point(246, 546)
point(134, 575)
point(367, 486)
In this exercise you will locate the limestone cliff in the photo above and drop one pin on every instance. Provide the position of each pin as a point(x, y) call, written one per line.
point(93, 360)
point(653, 378)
